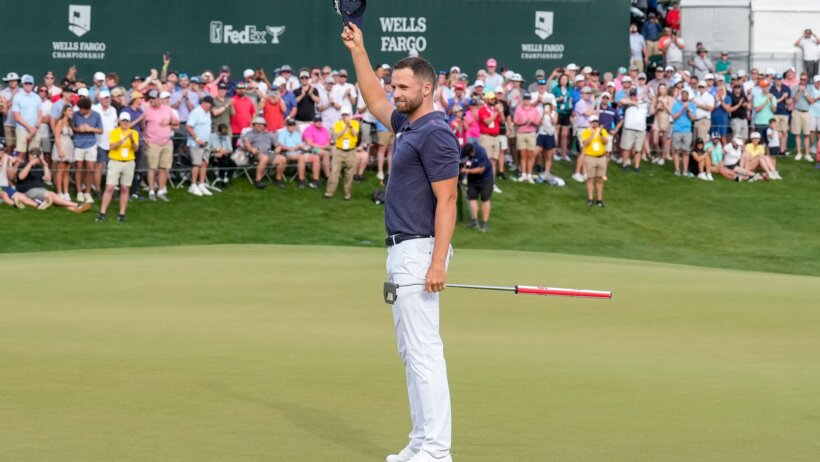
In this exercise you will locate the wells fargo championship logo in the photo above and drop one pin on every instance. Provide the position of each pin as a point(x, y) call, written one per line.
point(79, 23)
point(543, 29)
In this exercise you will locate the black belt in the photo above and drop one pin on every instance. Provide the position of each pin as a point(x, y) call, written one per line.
point(798, 110)
point(398, 238)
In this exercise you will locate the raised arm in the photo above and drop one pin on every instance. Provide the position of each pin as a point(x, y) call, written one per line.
point(369, 85)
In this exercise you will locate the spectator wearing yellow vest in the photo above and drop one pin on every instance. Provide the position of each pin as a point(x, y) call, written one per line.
point(123, 142)
point(593, 142)
point(346, 133)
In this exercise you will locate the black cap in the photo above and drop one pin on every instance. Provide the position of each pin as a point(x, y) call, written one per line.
point(633, 92)
point(208, 99)
point(351, 11)
point(136, 78)
point(222, 86)
point(291, 121)
point(317, 118)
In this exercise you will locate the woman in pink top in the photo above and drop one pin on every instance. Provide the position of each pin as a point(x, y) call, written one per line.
point(471, 121)
point(527, 118)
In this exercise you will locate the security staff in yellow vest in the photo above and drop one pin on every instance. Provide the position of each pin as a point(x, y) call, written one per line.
point(346, 133)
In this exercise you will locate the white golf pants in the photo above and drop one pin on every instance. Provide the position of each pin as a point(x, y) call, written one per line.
point(416, 320)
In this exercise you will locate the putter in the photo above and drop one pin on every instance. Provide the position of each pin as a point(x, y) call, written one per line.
point(391, 293)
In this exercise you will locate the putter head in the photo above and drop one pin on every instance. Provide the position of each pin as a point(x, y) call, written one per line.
point(390, 292)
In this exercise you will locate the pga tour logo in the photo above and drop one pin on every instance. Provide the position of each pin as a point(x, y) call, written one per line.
point(79, 19)
point(543, 24)
point(249, 35)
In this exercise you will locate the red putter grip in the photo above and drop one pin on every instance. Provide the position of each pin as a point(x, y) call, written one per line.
point(532, 290)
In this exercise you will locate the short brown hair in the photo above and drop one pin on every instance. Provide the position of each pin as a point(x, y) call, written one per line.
point(422, 69)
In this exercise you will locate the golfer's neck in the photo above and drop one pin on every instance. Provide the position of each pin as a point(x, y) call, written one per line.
point(423, 110)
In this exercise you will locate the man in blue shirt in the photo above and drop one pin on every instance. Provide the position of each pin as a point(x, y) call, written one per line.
point(86, 125)
point(198, 128)
point(683, 113)
point(478, 169)
point(294, 148)
point(652, 31)
point(420, 217)
point(782, 94)
point(26, 113)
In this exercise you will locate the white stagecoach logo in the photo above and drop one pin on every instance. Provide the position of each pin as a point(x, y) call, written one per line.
point(543, 24)
point(79, 19)
point(247, 35)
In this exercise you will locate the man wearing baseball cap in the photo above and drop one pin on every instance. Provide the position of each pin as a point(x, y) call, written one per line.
point(159, 121)
point(593, 142)
point(108, 114)
point(7, 99)
point(26, 113)
point(198, 129)
point(123, 142)
point(764, 105)
point(493, 79)
point(459, 98)
point(346, 132)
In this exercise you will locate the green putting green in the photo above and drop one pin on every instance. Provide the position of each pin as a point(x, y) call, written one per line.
point(286, 353)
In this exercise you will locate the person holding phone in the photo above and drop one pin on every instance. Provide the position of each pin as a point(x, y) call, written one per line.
point(810, 44)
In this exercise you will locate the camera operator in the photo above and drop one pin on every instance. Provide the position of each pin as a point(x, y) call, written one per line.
point(479, 172)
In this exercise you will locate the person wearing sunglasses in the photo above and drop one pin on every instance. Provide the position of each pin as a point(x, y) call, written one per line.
point(801, 119)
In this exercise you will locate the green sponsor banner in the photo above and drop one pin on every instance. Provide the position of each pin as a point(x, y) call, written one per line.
point(129, 37)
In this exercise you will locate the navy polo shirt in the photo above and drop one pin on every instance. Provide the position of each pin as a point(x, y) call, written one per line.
point(782, 108)
point(479, 159)
point(425, 151)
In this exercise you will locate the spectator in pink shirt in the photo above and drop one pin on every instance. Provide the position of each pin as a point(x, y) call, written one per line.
point(526, 119)
point(160, 121)
point(317, 137)
point(471, 121)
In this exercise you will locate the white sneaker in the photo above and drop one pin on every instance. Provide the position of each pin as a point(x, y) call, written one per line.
point(677, 172)
point(163, 196)
point(80, 197)
point(775, 175)
point(89, 199)
point(424, 456)
point(661, 161)
point(702, 176)
point(809, 158)
point(403, 456)
point(204, 190)
point(530, 179)
point(578, 177)
point(496, 189)
point(556, 157)
point(799, 156)
point(710, 177)
point(193, 189)
point(380, 176)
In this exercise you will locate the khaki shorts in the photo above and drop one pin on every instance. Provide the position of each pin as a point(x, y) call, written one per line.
point(385, 138)
point(198, 155)
point(503, 144)
point(595, 166)
point(85, 154)
point(24, 145)
point(702, 127)
point(781, 123)
point(632, 140)
point(120, 173)
point(160, 156)
point(801, 123)
point(525, 141)
point(10, 134)
point(490, 144)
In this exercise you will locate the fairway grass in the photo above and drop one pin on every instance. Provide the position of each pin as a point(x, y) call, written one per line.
point(286, 353)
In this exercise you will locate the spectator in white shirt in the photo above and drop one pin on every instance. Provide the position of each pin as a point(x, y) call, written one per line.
point(703, 65)
point(704, 104)
point(810, 44)
point(109, 122)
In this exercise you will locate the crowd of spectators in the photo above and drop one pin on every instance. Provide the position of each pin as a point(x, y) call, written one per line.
point(143, 133)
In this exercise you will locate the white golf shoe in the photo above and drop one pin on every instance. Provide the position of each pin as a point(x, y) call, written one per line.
point(403, 456)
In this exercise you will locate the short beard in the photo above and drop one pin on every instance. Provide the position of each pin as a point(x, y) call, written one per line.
point(412, 105)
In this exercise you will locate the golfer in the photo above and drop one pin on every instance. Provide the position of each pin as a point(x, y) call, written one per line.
point(420, 216)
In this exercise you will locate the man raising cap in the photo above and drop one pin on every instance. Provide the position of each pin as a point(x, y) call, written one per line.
point(420, 216)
